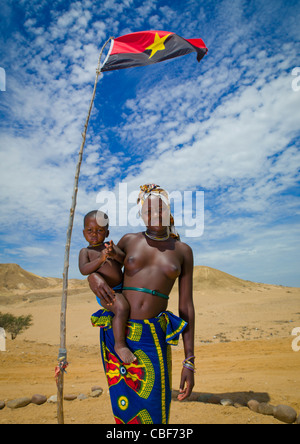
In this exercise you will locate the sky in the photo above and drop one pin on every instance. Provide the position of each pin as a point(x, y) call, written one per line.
point(226, 128)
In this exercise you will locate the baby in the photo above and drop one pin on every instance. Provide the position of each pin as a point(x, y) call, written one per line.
point(107, 260)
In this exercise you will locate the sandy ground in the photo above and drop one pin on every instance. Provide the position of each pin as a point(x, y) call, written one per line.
point(243, 347)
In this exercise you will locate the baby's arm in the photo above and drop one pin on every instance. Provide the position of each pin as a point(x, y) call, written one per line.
point(85, 266)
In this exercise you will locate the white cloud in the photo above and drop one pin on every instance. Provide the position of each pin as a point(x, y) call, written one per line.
point(235, 142)
point(32, 251)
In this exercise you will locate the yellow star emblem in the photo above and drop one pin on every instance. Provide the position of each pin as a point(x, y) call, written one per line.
point(158, 44)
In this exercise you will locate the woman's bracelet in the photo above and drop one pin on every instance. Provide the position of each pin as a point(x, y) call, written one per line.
point(189, 364)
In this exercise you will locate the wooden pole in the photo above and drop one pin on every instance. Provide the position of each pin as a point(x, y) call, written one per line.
point(62, 356)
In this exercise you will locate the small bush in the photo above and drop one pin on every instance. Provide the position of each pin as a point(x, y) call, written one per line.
point(15, 324)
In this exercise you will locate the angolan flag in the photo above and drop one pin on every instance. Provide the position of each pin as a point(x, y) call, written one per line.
point(149, 47)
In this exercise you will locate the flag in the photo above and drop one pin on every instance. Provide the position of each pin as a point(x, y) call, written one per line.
point(149, 47)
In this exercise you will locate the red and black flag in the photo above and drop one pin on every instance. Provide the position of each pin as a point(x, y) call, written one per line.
point(149, 47)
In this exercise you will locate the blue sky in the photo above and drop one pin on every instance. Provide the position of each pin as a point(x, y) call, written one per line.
point(228, 126)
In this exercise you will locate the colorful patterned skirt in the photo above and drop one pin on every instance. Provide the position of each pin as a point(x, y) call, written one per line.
point(140, 392)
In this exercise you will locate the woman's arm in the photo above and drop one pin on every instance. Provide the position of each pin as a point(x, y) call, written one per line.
point(101, 289)
point(187, 313)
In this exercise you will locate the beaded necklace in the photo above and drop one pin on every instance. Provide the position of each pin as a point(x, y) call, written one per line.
point(97, 245)
point(157, 238)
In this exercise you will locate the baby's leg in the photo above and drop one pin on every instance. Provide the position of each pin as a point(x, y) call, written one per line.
point(120, 308)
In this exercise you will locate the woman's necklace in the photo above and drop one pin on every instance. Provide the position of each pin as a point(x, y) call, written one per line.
point(157, 238)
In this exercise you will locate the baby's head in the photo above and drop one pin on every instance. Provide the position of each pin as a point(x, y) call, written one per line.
point(96, 224)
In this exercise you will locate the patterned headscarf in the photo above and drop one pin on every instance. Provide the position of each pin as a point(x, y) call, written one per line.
point(155, 190)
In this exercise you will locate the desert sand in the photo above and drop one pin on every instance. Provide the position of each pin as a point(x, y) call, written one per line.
point(243, 348)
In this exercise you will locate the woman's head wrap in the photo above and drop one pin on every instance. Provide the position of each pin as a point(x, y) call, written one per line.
point(155, 190)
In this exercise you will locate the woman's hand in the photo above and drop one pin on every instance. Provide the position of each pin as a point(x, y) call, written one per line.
point(101, 289)
point(186, 385)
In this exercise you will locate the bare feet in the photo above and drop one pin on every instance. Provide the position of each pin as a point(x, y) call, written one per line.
point(125, 354)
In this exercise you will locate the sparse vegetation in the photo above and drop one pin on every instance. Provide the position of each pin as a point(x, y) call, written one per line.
point(15, 324)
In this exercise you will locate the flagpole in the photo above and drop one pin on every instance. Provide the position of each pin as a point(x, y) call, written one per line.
point(62, 355)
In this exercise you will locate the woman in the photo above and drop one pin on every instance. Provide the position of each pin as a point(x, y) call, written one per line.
point(153, 260)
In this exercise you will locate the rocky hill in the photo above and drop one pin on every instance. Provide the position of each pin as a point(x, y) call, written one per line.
point(13, 277)
point(16, 284)
point(210, 278)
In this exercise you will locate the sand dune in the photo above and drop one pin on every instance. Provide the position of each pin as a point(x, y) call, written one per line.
point(243, 348)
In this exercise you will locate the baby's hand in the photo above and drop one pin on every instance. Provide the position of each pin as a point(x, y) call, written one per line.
point(110, 250)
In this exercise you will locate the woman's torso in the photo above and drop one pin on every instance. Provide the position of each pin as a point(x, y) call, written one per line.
point(153, 265)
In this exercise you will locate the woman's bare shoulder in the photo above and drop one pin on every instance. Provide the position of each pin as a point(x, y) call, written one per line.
point(184, 248)
point(128, 238)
